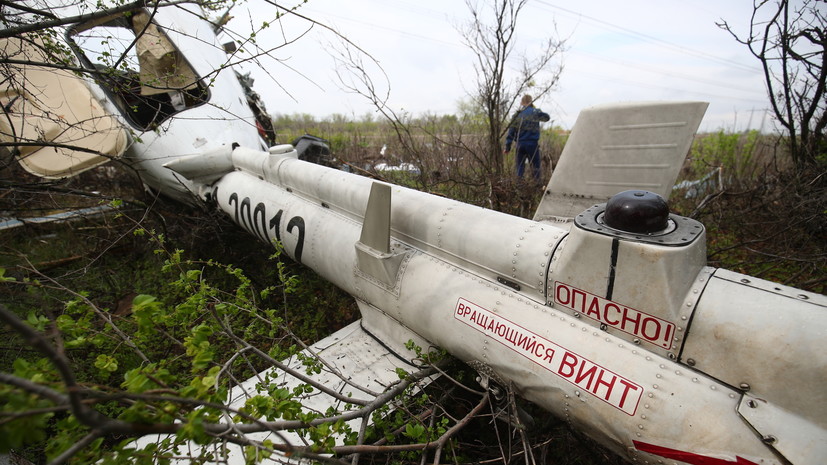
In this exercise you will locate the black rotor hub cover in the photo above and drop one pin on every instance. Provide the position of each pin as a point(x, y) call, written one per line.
point(637, 211)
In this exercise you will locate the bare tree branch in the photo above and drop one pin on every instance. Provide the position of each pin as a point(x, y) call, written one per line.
point(56, 22)
point(791, 45)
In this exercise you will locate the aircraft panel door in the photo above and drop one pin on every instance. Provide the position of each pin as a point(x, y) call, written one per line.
point(59, 129)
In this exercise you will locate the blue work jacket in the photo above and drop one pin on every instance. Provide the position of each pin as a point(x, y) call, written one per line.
point(525, 126)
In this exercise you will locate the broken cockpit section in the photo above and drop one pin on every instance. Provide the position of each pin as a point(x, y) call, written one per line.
point(139, 67)
point(55, 124)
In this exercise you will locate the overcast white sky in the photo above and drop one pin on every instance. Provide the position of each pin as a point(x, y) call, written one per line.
point(618, 51)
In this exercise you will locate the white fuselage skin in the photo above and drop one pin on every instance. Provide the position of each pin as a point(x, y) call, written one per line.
point(631, 396)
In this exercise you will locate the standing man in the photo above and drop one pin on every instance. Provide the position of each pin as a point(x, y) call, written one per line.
point(525, 130)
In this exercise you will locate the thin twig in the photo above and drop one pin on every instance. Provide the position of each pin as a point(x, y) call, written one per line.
point(76, 447)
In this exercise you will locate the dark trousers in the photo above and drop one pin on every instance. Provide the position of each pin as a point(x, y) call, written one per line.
point(530, 152)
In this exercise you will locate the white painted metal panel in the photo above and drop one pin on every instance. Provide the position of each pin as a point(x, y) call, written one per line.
point(585, 376)
point(515, 249)
point(759, 336)
point(354, 358)
point(642, 288)
point(617, 147)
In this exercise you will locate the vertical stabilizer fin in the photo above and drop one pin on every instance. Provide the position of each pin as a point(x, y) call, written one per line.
point(376, 230)
point(373, 250)
point(618, 147)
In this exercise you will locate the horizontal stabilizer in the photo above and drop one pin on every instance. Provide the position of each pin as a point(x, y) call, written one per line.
point(357, 365)
point(618, 147)
point(208, 167)
point(204, 167)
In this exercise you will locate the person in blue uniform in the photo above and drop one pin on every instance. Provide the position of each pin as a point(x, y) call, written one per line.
point(524, 130)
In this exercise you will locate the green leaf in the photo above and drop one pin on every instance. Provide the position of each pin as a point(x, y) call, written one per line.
point(37, 322)
point(147, 311)
point(414, 431)
point(193, 429)
point(198, 347)
point(136, 381)
point(4, 278)
point(27, 429)
point(142, 300)
point(106, 363)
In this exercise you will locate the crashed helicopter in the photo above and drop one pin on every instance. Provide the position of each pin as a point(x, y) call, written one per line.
point(600, 309)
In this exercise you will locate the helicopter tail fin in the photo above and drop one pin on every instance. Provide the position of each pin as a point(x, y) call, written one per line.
point(617, 147)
